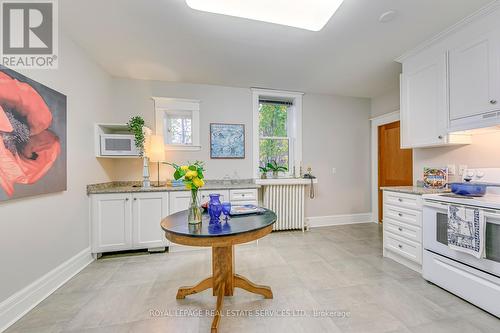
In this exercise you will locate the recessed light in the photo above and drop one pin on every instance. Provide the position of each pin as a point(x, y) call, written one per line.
point(387, 16)
point(305, 14)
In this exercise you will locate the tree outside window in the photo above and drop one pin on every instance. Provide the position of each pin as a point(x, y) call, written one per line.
point(273, 134)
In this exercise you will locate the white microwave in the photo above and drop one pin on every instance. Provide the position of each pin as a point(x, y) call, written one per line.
point(118, 145)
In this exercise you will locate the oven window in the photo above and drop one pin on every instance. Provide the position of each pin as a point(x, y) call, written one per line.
point(442, 228)
point(492, 246)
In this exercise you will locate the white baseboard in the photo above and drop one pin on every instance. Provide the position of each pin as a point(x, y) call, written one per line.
point(324, 221)
point(16, 306)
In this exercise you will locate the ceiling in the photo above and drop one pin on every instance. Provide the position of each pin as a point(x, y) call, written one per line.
point(166, 40)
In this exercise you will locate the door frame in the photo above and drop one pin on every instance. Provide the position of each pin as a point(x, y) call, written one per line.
point(375, 123)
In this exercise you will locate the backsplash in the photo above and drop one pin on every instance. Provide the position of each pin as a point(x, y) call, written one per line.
point(484, 152)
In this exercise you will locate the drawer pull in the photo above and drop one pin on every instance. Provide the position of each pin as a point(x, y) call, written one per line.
point(400, 200)
point(400, 215)
point(400, 246)
point(400, 229)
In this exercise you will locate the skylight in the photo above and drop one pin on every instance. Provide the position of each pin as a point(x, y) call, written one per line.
point(305, 14)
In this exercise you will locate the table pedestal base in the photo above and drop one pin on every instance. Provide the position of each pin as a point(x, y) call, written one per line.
point(223, 281)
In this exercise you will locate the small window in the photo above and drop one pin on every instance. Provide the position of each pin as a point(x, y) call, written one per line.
point(177, 120)
point(277, 130)
point(178, 128)
point(274, 145)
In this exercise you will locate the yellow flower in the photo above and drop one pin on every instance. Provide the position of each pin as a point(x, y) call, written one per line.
point(198, 182)
point(191, 174)
point(188, 186)
point(184, 168)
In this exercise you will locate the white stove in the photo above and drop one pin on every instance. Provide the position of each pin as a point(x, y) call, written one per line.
point(476, 280)
point(489, 201)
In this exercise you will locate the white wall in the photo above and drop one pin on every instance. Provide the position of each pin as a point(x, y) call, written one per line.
point(335, 134)
point(218, 104)
point(38, 234)
point(386, 103)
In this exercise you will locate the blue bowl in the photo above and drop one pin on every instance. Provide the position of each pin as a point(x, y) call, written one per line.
point(468, 189)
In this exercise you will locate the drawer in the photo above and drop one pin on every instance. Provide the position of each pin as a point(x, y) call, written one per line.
point(243, 195)
point(246, 202)
point(410, 201)
point(404, 230)
point(403, 247)
point(204, 195)
point(403, 215)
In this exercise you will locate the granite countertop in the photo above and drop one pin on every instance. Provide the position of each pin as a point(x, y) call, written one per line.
point(131, 186)
point(414, 189)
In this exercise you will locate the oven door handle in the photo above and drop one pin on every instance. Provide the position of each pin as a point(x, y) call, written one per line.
point(492, 214)
point(438, 205)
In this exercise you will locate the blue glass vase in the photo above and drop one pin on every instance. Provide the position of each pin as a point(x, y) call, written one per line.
point(214, 207)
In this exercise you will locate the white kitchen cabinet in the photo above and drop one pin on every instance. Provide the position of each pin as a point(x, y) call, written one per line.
point(204, 195)
point(424, 103)
point(402, 235)
point(148, 209)
point(474, 76)
point(111, 222)
point(179, 200)
point(125, 221)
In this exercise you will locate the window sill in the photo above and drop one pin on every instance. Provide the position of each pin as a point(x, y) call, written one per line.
point(182, 147)
point(285, 181)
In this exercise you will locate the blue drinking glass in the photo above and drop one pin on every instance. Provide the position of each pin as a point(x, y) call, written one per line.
point(226, 209)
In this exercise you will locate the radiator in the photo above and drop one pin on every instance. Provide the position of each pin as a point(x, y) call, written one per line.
point(287, 201)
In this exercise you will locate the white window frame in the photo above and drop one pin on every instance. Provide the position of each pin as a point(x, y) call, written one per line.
point(294, 128)
point(176, 106)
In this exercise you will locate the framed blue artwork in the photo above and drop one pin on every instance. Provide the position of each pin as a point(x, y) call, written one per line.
point(227, 140)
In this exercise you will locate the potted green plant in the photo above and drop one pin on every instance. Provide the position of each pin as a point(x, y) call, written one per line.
point(275, 168)
point(136, 126)
point(263, 172)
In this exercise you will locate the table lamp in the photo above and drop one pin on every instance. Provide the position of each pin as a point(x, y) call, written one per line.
point(157, 151)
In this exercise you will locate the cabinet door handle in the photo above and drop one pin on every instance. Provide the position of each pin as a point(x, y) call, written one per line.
point(400, 215)
point(440, 137)
point(135, 199)
point(400, 229)
point(493, 102)
point(126, 199)
point(400, 200)
point(400, 246)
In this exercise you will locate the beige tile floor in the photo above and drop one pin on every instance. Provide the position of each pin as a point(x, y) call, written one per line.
point(334, 269)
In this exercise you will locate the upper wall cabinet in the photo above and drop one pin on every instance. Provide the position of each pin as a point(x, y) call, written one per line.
point(452, 82)
point(474, 81)
point(424, 103)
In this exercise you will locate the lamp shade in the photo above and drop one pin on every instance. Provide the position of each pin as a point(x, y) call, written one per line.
point(156, 149)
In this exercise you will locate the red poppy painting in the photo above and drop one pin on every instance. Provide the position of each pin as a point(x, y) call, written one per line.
point(32, 137)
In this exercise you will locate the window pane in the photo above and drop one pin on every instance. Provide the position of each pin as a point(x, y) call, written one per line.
point(274, 150)
point(273, 119)
point(179, 130)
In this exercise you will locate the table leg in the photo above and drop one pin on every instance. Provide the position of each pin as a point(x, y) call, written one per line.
point(223, 269)
point(202, 285)
point(218, 309)
point(244, 283)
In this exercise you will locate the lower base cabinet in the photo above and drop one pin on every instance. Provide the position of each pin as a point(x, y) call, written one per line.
point(124, 221)
point(129, 221)
point(403, 228)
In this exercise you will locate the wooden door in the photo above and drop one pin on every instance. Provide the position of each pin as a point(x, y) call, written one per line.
point(395, 165)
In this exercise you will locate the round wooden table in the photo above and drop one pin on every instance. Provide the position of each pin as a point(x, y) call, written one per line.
point(221, 237)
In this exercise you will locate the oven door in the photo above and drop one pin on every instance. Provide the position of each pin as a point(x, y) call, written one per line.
point(435, 230)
